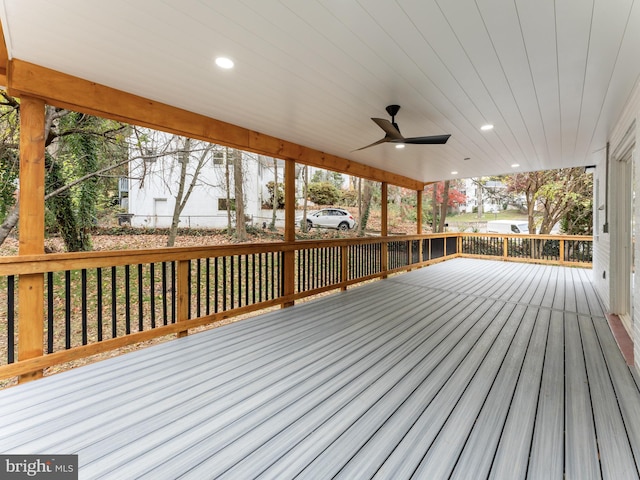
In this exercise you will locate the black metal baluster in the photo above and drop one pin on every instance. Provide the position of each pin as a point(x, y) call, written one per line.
point(198, 287)
point(299, 268)
point(67, 309)
point(152, 293)
point(246, 279)
point(11, 319)
point(189, 290)
point(165, 316)
point(127, 299)
point(238, 276)
point(232, 286)
point(314, 268)
point(216, 286)
point(114, 317)
point(99, 302)
point(253, 276)
point(260, 282)
point(173, 292)
point(140, 299)
point(281, 273)
point(272, 273)
point(208, 285)
point(224, 284)
point(83, 283)
point(50, 312)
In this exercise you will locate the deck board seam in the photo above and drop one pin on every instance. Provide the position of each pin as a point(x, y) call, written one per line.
point(512, 302)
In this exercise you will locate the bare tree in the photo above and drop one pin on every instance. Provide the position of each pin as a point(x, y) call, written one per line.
point(227, 184)
point(185, 189)
point(238, 179)
point(479, 200)
point(167, 157)
point(304, 226)
point(444, 205)
point(367, 194)
point(275, 201)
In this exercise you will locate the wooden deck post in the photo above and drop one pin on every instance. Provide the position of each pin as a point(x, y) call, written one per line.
point(419, 221)
point(383, 227)
point(31, 228)
point(289, 229)
point(182, 294)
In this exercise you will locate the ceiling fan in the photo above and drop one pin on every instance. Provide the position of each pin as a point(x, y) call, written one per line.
point(393, 135)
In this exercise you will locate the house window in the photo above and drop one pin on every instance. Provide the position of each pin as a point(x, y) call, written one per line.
point(218, 157)
point(149, 155)
point(222, 204)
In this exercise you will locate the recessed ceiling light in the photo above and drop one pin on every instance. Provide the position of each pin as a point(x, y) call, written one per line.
point(224, 62)
point(400, 145)
point(454, 173)
point(486, 127)
point(515, 165)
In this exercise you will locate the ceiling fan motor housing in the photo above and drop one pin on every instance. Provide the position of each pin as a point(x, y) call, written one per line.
point(393, 109)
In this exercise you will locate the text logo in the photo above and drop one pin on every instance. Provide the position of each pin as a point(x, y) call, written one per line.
point(49, 467)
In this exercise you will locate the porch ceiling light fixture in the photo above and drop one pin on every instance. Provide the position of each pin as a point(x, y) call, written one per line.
point(455, 172)
point(224, 62)
point(486, 127)
point(400, 145)
point(515, 165)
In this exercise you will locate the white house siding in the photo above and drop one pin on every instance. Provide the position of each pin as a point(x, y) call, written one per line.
point(601, 240)
point(625, 132)
point(152, 195)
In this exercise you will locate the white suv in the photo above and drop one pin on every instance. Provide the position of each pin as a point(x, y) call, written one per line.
point(330, 218)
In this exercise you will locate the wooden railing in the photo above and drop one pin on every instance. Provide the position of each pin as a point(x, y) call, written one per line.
point(100, 301)
point(553, 249)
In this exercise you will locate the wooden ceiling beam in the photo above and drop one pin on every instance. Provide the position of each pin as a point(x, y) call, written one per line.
point(66, 91)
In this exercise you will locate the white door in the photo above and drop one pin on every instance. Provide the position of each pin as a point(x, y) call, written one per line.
point(160, 213)
point(622, 241)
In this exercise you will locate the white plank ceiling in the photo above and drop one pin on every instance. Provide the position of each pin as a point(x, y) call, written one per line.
point(551, 76)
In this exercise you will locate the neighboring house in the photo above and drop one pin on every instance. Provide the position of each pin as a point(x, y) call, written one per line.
point(494, 195)
point(491, 192)
point(154, 180)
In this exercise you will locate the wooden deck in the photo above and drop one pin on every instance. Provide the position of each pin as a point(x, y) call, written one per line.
point(465, 369)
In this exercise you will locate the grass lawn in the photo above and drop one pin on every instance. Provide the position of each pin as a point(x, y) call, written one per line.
point(473, 217)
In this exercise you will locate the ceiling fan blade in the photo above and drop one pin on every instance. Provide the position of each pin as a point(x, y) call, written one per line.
point(431, 140)
point(384, 140)
point(392, 132)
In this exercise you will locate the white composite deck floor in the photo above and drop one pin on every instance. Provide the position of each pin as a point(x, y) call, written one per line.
point(465, 369)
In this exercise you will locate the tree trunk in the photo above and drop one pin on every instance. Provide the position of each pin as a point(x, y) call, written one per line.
point(238, 178)
point(479, 199)
point(9, 223)
point(177, 210)
point(275, 200)
point(62, 208)
point(444, 205)
point(303, 225)
point(359, 198)
point(184, 191)
point(367, 194)
point(11, 220)
point(227, 180)
point(434, 209)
